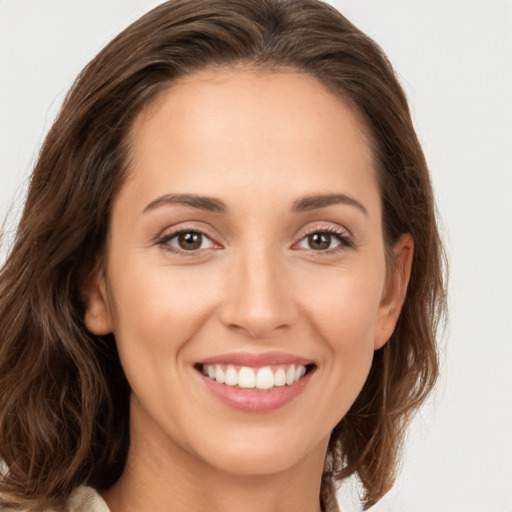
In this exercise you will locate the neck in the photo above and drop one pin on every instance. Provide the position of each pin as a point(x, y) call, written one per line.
point(172, 478)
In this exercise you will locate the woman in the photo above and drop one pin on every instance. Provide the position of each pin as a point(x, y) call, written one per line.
point(226, 282)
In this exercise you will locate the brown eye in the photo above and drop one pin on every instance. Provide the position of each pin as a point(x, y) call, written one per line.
point(325, 241)
point(319, 241)
point(188, 241)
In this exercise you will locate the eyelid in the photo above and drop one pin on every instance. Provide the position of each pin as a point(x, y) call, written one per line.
point(185, 227)
point(343, 234)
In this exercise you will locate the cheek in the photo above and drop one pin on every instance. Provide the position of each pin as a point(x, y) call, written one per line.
point(344, 317)
point(345, 306)
point(155, 311)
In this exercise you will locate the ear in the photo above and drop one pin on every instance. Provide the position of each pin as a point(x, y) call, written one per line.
point(97, 318)
point(395, 290)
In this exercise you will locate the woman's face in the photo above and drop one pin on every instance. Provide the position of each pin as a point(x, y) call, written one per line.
point(246, 246)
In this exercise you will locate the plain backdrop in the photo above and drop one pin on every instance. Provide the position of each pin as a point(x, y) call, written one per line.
point(454, 59)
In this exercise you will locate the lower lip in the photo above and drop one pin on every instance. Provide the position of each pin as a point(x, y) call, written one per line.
point(250, 400)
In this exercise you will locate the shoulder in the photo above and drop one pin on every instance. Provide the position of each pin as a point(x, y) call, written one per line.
point(86, 499)
point(82, 499)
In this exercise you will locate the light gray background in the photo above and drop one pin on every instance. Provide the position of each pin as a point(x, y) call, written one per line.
point(454, 58)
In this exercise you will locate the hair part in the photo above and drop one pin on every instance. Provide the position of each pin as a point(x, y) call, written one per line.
point(64, 400)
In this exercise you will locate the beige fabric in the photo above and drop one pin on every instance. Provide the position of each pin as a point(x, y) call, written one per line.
point(86, 499)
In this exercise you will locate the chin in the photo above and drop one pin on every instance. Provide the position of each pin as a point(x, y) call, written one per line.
point(261, 454)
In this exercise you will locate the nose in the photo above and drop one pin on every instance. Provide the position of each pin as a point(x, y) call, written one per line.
point(259, 298)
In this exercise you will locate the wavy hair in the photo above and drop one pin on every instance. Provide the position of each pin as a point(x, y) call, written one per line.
point(64, 400)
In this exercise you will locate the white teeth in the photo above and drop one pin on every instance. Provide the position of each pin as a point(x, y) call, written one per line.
point(299, 372)
point(265, 378)
point(231, 376)
point(280, 377)
point(255, 378)
point(219, 374)
point(290, 375)
point(246, 378)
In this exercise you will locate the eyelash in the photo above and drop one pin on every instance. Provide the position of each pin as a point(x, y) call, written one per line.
point(345, 240)
point(165, 239)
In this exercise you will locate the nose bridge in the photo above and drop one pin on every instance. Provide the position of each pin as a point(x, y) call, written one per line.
point(258, 299)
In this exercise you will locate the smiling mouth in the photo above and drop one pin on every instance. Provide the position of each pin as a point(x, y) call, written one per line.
point(264, 378)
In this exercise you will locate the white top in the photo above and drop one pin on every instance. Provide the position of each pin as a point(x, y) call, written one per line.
point(86, 499)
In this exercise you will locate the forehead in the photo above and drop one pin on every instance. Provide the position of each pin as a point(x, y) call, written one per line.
point(248, 128)
point(258, 95)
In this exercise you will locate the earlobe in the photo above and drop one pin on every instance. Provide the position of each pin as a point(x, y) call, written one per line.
point(395, 290)
point(97, 317)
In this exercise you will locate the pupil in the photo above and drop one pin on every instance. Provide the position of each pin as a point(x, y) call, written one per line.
point(319, 241)
point(190, 241)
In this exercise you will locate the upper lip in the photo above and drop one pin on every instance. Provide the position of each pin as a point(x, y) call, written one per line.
point(255, 360)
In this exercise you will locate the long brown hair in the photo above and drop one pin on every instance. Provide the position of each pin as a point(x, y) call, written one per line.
point(63, 395)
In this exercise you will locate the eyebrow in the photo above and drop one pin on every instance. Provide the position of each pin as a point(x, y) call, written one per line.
point(318, 201)
point(209, 204)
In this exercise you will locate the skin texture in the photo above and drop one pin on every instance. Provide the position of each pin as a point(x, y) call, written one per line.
point(259, 142)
